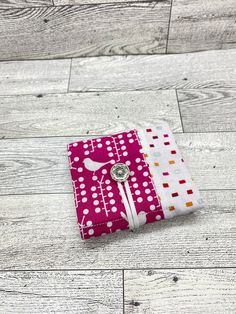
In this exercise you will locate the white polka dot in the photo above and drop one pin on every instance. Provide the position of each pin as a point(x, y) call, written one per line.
point(97, 210)
point(96, 202)
point(147, 191)
point(137, 192)
point(145, 184)
point(91, 232)
point(109, 188)
point(93, 188)
point(137, 160)
point(84, 199)
point(86, 152)
point(85, 141)
point(112, 202)
point(112, 161)
point(125, 153)
point(140, 167)
point(104, 171)
point(110, 154)
point(108, 142)
point(140, 199)
point(94, 178)
point(76, 159)
point(128, 163)
point(109, 148)
point(135, 185)
point(94, 195)
point(85, 146)
point(158, 217)
point(113, 209)
point(81, 179)
point(145, 174)
point(131, 173)
point(152, 207)
point(120, 136)
point(80, 169)
point(75, 144)
point(133, 179)
point(83, 192)
point(123, 147)
point(98, 140)
point(69, 153)
point(85, 211)
point(141, 150)
point(109, 224)
point(122, 142)
point(99, 145)
point(89, 223)
point(82, 186)
point(129, 135)
point(150, 198)
point(107, 181)
point(131, 140)
point(110, 194)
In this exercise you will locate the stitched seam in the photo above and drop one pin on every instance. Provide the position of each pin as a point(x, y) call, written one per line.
point(105, 222)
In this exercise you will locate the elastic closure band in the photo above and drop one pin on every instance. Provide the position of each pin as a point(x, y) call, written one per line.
point(132, 206)
point(127, 207)
point(131, 212)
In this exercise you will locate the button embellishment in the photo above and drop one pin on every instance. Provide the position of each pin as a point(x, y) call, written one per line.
point(120, 172)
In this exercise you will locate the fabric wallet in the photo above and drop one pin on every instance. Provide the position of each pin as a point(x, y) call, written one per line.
point(129, 179)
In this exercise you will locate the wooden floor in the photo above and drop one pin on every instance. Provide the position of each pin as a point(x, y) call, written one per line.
point(74, 68)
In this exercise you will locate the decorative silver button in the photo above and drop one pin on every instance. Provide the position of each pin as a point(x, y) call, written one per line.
point(120, 172)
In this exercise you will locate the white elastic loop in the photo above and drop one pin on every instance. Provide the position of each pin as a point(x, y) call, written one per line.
point(132, 206)
point(127, 207)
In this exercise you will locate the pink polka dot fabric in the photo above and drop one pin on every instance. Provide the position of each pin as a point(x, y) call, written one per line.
point(100, 206)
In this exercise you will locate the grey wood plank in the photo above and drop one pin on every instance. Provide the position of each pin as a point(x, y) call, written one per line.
point(27, 77)
point(40, 232)
point(202, 25)
point(61, 292)
point(28, 165)
point(180, 291)
point(67, 31)
point(83, 113)
point(211, 69)
point(205, 110)
point(5, 4)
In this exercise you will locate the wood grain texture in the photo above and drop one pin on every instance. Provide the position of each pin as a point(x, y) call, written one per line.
point(5, 4)
point(180, 291)
point(202, 25)
point(211, 69)
point(27, 77)
point(86, 113)
point(28, 165)
point(67, 31)
point(204, 110)
point(40, 232)
point(61, 292)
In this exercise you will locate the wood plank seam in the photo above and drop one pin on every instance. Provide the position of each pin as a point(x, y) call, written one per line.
point(181, 119)
point(168, 31)
point(113, 269)
point(123, 286)
point(97, 135)
point(68, 86)
point(71, 193)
